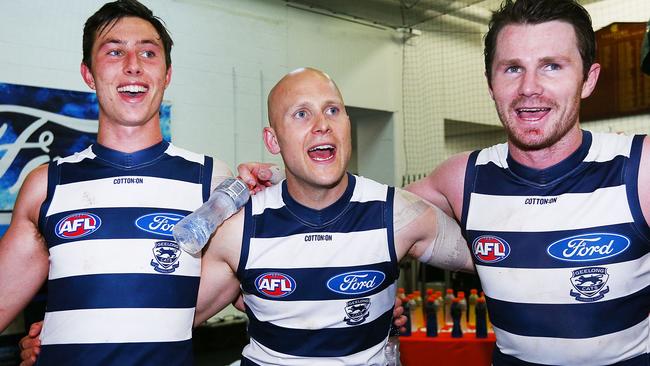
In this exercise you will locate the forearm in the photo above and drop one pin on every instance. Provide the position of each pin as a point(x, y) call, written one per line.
point(448, 249)
point(428, 234)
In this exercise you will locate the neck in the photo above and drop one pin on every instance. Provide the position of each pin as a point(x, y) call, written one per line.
point(548, 156)
point(129, 138)
point(315, 197)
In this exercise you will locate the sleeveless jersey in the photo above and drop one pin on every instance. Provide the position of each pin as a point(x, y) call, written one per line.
point(319, 285)
point(563, 254)
point(120, 291)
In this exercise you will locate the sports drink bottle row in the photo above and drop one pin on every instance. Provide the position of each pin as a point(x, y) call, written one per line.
point(450, 312)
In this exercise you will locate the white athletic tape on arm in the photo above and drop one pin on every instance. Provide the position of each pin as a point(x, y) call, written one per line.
point(449, 249)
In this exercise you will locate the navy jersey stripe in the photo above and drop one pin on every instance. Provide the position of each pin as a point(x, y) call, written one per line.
point(586, 178)
point(388, 220)
point(249, 227)
point(206, 176)
point(469, 186)
point(632, 185)
point(570, 320)
point(359, 216)
point(526, 251)
point(52, 180)
point(311, 283)
point(331, 342)
point(121, 223)
point(103, 291)
point(500, 359)
point(169, 167)
point(143, 354)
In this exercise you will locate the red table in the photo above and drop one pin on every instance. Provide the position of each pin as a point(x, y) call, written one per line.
point(418, 349)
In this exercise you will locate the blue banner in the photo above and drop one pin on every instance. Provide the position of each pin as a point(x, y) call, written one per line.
point(40, 125)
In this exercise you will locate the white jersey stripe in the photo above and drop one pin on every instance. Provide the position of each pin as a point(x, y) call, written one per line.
point(320, 314)
point(610, 348)
point(104, 193)
point(117, 326)
point(270, 201)
point(513, 284)
point(87, 257)
point(272, 252)
point(512, 214)
point(373, 356)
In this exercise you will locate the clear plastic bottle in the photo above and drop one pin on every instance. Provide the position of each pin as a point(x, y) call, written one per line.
point(473, 296)
point(481, 318)
point(430, 309)
point(417, 311)
point(392, 347)
point(440, 309)
point(456, 312)
point(449, 299)
point(193, 231)
point(462, 301)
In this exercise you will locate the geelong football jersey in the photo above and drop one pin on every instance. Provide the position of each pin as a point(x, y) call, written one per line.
point(120, 291)
point(319, 285)
point(563, 254)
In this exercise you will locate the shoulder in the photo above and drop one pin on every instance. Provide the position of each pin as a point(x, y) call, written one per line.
point(32, 194)
point(443, 187)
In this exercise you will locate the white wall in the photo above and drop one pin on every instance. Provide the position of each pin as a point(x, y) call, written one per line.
point(227, 56)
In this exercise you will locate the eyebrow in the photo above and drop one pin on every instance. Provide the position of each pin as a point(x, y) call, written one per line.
point(153, 42)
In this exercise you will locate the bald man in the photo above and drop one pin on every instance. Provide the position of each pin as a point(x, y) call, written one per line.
point(317, 255)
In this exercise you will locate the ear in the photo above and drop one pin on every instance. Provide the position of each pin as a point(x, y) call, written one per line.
point(589, 85)
point(270, 141)
point(87, 75)
point(168, 77)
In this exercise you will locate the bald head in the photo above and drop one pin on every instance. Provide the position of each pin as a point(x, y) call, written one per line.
point(292, 82)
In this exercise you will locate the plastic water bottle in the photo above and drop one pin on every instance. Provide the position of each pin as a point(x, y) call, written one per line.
point(392, 347)
point(471, 320)
point(194, 231)
point(430, 308)
point(463, 310)
point(456, 313)
point(481, 318)
point(449, 298)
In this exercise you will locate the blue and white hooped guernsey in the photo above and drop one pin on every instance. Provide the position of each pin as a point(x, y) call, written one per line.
point(120, 291)
point(319, 285)
point(563, 254)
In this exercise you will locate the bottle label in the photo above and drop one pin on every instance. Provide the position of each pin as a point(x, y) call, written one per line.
point(234, 188)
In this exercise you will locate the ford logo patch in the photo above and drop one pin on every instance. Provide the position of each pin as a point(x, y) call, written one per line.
point(357, 282)
point(158, 223)
point(588, 247)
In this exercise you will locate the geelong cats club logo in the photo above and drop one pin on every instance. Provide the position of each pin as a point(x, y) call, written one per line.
point(165, 254)
point(357, 311)
point(590, 283)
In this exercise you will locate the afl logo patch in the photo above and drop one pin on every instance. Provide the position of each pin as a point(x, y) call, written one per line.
point(357, 282)
point(588, 247)
point(77, 225)
point(490, 249)
point(161, 223)
point(275, 284)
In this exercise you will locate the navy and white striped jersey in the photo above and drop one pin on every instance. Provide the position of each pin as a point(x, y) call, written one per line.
point(563, 254)
point(120, 292)
point(319, 285)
